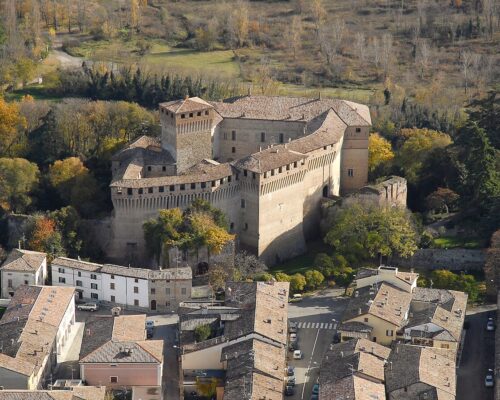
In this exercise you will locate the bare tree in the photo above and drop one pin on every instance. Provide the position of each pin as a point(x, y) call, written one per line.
point(421, 6)
point(330, 39)
point(387, 51)
point(318, 14)
point(293, 35)
point(466, 58)
point(376, 51)
point(423, 56)
point(360, 46)
point(81, 14)
point(489, 12)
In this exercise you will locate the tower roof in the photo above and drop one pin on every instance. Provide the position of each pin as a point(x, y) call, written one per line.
point(186, 105)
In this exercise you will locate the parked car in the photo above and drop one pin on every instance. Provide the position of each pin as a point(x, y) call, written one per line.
point(289, 390)
point(314, 397)
point(315, 388)
point(290, 371)
point(293, 337)
point(290, 381)
point(88, 307)
point(297, 355)
point(293, 346)
point(149, 333)
point(292, 327)
point(336, 338)
point(490, 325)
point(489, 380)
point(150, 324)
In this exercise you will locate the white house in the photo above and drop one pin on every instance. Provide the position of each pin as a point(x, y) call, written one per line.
point(406, 281)
point(22, 267)
point(110, 283)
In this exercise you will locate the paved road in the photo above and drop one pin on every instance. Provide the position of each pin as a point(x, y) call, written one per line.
point(317, 318)
point(478, 355)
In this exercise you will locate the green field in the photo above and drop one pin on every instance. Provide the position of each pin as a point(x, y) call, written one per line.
point(303, 262)
point(452, 242)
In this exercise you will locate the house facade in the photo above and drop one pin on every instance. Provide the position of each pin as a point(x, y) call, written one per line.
point(159, 290)
point(34, 331)
point(22, 267)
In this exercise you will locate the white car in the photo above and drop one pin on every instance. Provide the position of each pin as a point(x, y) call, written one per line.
point(490, 325)
point(150, 324)
point(489, 380)
point(297, 355)
point(88, 307)
point(293, 337)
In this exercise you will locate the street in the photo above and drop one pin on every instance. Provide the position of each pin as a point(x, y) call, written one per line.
point(317, 317)
point(478, 355)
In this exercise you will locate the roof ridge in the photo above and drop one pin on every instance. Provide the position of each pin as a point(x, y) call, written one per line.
point(139, 343)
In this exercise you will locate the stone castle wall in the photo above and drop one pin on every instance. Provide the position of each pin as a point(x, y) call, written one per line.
point(452, 259)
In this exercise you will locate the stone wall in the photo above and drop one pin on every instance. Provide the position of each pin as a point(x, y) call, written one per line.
point(453, 260)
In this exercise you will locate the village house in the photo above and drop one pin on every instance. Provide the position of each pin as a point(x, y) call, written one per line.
point(247, 349)
point(71, 393)
point(376, 313)
point(115, 353)
point(22, 267)
point(34, 331)
point(436, 318)
point(416, 373)
point(354, 370)
point(406, 281)
point(155, 290)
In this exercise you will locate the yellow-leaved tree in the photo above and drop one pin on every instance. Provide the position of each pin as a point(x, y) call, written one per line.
point(379, 151)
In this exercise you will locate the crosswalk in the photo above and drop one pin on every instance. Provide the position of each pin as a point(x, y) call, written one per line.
point(317, 325)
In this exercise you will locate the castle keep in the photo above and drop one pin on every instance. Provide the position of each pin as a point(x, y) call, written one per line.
point(265, 161)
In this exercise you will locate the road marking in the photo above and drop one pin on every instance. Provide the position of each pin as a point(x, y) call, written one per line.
point(330, 326)
point(335, 325)
point(317, 325)
point(322, 325)
point(309, 366)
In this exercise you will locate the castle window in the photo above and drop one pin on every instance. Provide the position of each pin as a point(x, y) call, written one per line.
point(263, 136)
point(183, 116)
point(183, 187)
point(233, 149)
point(233, 135)
point(243, 203)
point(231, 226)
point(295, 164)
point(288, 167)
point(280, 170)
point(161, 189)
point(190, 115)
point(203, 185)
point(254, 175)
point(272, 172)
point(119, 190)
point(172, 115)
point(282, 138)
point(198, 113)
point(193, 186)
point(358, 130)
point(245, 172)
point(163, 168)
point(222, 181)
point(229, 179)
point(350, 172)
point(141, 191)
point(149, 168)
point(129, 191)
point(213, 183)
point(206, 112)
point(246, 226)
point(265, 175)
point(172, 188)
point(150, 190)
point(324, 147)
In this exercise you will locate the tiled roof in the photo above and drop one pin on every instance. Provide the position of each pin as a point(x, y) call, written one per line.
point(291, 109)
point(74, 393)
point(23, 260)
point(202, 172)
point(77, 264)
point(37, 313)
point(354, 368)
point(355, 326)
point(119, 340)
point(172, 273)
point(420, 369)
point(186, 105)
point(388, 303)
point(123, 352)
point(264, 309)
point(268, 159)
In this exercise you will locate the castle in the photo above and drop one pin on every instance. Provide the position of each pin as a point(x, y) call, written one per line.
point(267, 162)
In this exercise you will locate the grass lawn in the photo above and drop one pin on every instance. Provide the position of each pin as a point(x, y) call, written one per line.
point(354, 94)
point(452, 242)
point(301, 263)
point(38, 92)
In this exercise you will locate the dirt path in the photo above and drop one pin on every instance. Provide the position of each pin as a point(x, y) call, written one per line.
point(64, 59)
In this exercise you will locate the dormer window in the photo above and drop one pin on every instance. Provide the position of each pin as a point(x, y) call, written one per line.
point(149, 168)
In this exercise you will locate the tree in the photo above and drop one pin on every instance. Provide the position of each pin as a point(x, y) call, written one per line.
point(217, 276)
point(282, 277)
point(10, 123)
point(45, 238)
point(314, 279)
point(379, 151)
point(414, 151)
point(265, 277)
point(202, 332)
point(441, 198)
point(206, 389)
point(318, 14)
point(293, 35)
point(164, 231)
point(297, 282)
point(248, 266)
point(485, 112)
point(68, 223)
point(18, 178)
point(357, 231)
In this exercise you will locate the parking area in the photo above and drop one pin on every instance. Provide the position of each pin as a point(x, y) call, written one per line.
point(317, 319)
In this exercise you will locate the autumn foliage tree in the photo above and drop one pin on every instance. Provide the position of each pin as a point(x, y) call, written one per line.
point(18, 178)
point(10, 123)
point(379, 151)
point(45, 237)
point(441, 198)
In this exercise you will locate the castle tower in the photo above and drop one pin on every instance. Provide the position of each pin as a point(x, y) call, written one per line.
point(186, 131)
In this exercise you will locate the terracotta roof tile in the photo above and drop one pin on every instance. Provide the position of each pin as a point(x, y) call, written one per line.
point(24, 260)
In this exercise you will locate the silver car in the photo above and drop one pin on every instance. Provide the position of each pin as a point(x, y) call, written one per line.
point(489, 380)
